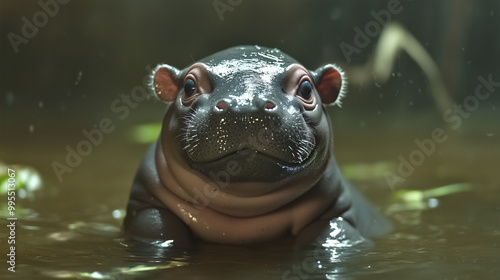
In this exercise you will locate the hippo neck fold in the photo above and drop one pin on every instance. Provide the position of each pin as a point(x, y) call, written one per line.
point(219, 217)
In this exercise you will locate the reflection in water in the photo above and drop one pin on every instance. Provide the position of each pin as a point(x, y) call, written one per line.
point(338, 236)
point(331, 254)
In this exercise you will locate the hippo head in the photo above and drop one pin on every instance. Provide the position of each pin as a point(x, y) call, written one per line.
point(252, 112)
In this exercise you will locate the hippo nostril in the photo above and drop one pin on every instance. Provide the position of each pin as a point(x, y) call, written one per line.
point(269, 106)
point(222, 105)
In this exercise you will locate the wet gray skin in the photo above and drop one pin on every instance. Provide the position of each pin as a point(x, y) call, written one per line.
point(268, 143)
point(246, 155)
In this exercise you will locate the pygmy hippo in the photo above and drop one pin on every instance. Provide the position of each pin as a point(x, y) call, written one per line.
point(245, 155)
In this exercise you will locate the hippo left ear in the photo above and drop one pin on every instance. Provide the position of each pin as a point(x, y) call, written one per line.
point(330, 83)
point(165, 80)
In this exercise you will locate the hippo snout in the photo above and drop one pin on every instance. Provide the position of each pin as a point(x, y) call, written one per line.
point(267, 132)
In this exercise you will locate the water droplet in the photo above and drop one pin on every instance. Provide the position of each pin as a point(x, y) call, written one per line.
point(79, 77)
point(32, 128)
point(490, 134)
point(117, 214)
point(433, 202)
point(40, 104)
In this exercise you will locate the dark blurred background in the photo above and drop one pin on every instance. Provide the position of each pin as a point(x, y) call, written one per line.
point(65, 77)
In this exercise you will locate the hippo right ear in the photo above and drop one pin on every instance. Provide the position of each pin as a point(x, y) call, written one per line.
point(330, 83)
point(165, 82)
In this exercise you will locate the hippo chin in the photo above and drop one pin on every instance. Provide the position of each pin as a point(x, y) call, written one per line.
point(245, 155)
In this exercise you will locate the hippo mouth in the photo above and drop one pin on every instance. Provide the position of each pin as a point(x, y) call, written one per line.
point(250, 165)
point(249, 154)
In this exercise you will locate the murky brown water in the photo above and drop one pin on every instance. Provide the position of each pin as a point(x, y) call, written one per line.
point(75, 232)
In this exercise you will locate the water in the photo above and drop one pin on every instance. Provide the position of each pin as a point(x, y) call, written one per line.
point(75, 232)
point(71, 73)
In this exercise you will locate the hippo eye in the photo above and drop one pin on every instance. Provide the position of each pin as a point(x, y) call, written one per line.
point(305, 90)
point(190, 87)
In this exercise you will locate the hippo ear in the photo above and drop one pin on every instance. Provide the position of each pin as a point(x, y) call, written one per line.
point(165, 82)
point(331, 84)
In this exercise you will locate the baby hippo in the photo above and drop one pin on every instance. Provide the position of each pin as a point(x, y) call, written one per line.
point(245, 155)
